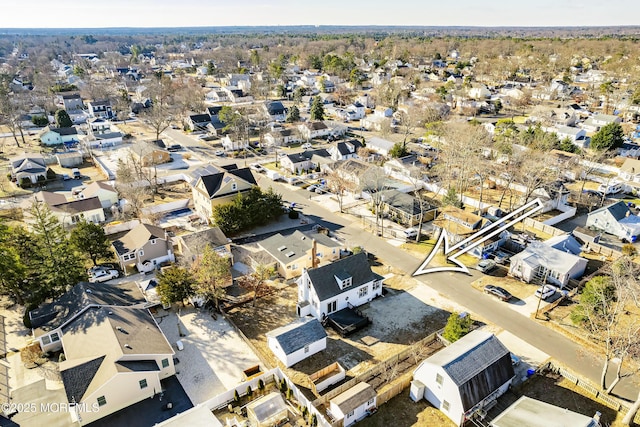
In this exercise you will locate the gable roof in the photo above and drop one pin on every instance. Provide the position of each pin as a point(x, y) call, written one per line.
point(297, 158)
point(93, 188)
point(539, 253)
point(618, 210)
point(275, 108)
point(54, 314)
point(197, 241)
point(379, 143)
point(528, 412)
point(354, 397)
point(405, 202)
point(137, 237)
point(28, 163)
point(348, 147)
point(298, 334)
point(64, 131)
point(290, 247)
point(478, 364)
point(323, 278)
point(315, 125)
point(76, 380)
point(200, 118)
point(78, 206)
point(213, 182)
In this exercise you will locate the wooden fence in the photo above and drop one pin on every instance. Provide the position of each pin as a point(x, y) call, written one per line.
point(398, 387)
point(537, 225)
point(379, 369)
point(603, 250)
point(593, 391)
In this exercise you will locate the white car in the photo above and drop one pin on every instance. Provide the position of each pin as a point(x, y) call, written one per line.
point(257, 167)
point(219, 153)
point(312, 187)
point(545, 291)
point(100, 276)
point(306, 146)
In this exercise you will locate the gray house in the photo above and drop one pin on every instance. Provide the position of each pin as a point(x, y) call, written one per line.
point(466, 376)
point(145, 247)
point(616, 219)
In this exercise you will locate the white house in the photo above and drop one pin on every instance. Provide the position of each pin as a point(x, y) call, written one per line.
point(280, 137)
point(575, 135)
point(616, 219)
point(68, 212)
point(31, 166)
point(233, 145)
point(354, 404)
point(327, 289)
point(630, 170)
point(345, 150)
point(553, 260)
point(380, 146)
point(597, 121)
point(466, 376)
point(375, 122)
point(311, 130)
point(298, 340)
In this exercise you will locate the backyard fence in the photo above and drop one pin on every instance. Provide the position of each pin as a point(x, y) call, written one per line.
point(537, 225)
point(398, 387)
point(409, 357)
point(603, 250)
point(591, 390)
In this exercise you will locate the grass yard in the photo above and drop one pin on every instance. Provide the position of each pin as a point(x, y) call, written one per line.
point(422, 249)
point(518, 289)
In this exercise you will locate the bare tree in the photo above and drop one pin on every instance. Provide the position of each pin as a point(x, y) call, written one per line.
point(213, 274)
point(339, 184)
point(257, 281)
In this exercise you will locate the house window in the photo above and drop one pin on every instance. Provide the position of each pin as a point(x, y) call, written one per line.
point(445, 406)
point(331, 307)
point(141, 253)
point(234, 186)
point(153, 241)
point(370, 402)
point(306, 349)
point(439, 379)
point(127, 257)
point(143, 383)
point(55, 337)
point(376, 285)
point(165, 363)
point(319, 254)
point(363, 291)
point(46, 340)
point(102, 401)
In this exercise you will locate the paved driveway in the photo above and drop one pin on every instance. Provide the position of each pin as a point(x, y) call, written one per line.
point(214, 355)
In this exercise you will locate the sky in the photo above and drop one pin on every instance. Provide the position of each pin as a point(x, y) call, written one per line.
point(214, 13)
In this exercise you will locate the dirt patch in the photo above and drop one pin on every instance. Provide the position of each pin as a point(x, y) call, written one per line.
point(391, 331)
point(401, 411)
point(517, 288)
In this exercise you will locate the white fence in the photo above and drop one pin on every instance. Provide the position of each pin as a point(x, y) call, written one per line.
point(568, 212)
point(167, 207)
point(120, 227)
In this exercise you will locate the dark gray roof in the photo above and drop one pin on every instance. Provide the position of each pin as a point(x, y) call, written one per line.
point(618, 210)
point(200, 118)
point(137, 366)
point(404, 202)
point(214, 111)
point(275, 108)
point(76, 380)
point(348, 147)
point(298, 334)
point(297, 158)
point(290, 247)
point(65, 131)
point(323, 278)
point(478, 364)
point(78, 206)
point(213, 182)
point(321, 152)
point(54, 314)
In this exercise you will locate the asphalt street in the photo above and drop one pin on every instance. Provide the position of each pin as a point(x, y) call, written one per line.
point(456, 287)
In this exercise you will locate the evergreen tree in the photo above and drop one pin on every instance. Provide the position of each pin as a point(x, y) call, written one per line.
point(609, 137)
point(62, 119)
point(175, 284)
point(293, 115)
point(317, 109)
point(89, 238)
point(457, 326)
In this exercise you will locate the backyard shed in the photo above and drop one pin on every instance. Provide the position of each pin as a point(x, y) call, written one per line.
point(268, 410)
point(297, 340)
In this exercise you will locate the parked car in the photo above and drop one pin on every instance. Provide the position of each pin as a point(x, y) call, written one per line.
point(175, 147)
point(219, 153)
point(546, 291)
point(498, 292)
point(486, 265)
point(312, 187)
point(103, 275)
point(76, 173)
point(306, 146)
point(410, 233)
point(257, 167)
point(66, 177)
point(501, 257)
point(321, 189)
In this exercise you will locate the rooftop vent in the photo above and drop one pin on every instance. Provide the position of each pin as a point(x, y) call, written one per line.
point(282, 248)
point(110, 313)
point(128, 346)
point(88, 291)
point(290, 254)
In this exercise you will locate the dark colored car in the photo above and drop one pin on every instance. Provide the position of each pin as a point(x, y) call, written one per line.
point(498, 292)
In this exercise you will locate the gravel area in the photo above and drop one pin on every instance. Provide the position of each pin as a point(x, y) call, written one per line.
point(214, 355)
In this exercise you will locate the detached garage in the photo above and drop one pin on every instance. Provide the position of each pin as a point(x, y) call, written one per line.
point(297, 340)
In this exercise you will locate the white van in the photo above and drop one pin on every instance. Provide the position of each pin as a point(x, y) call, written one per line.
point(611, 188)
point(410, 233)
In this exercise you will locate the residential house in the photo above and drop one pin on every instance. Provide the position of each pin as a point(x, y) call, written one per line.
point(467, 376)
point(192, 245)
point(297, 341)
point(68, 212)
point(104, 191)
point(57, 136)
point(215, 127)
point(149, 154)
point(528, 412)
point(102, 133)
point(406, 209)
point(597, 121)
point(577, 136)
point(460, 224)
point(375, 122)
point(478, 91)
point(296, 162)
point(275, 111)
point(630, 170)
point(198, 122)
point(616, 219)
point(70, 102)
point(219, 188)
point(380, 145)
point(114, 357)
point(237, 95)
point(358, 172)
point(47, 321)
point(311, 130)
point(70, 159)
point(145, 247)
point(552, 262)
point(284, 136)
point(100, 108)
point(30, 166)
point(411, 169)
point(345, 150)
point(353, 405)
point(342, 284)
point(233, 144)
point(295, 252)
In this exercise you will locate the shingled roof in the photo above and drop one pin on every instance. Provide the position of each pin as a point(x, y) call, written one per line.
point(323, 279)
point(213, 182)
point(298, 334)
point(137, 237)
